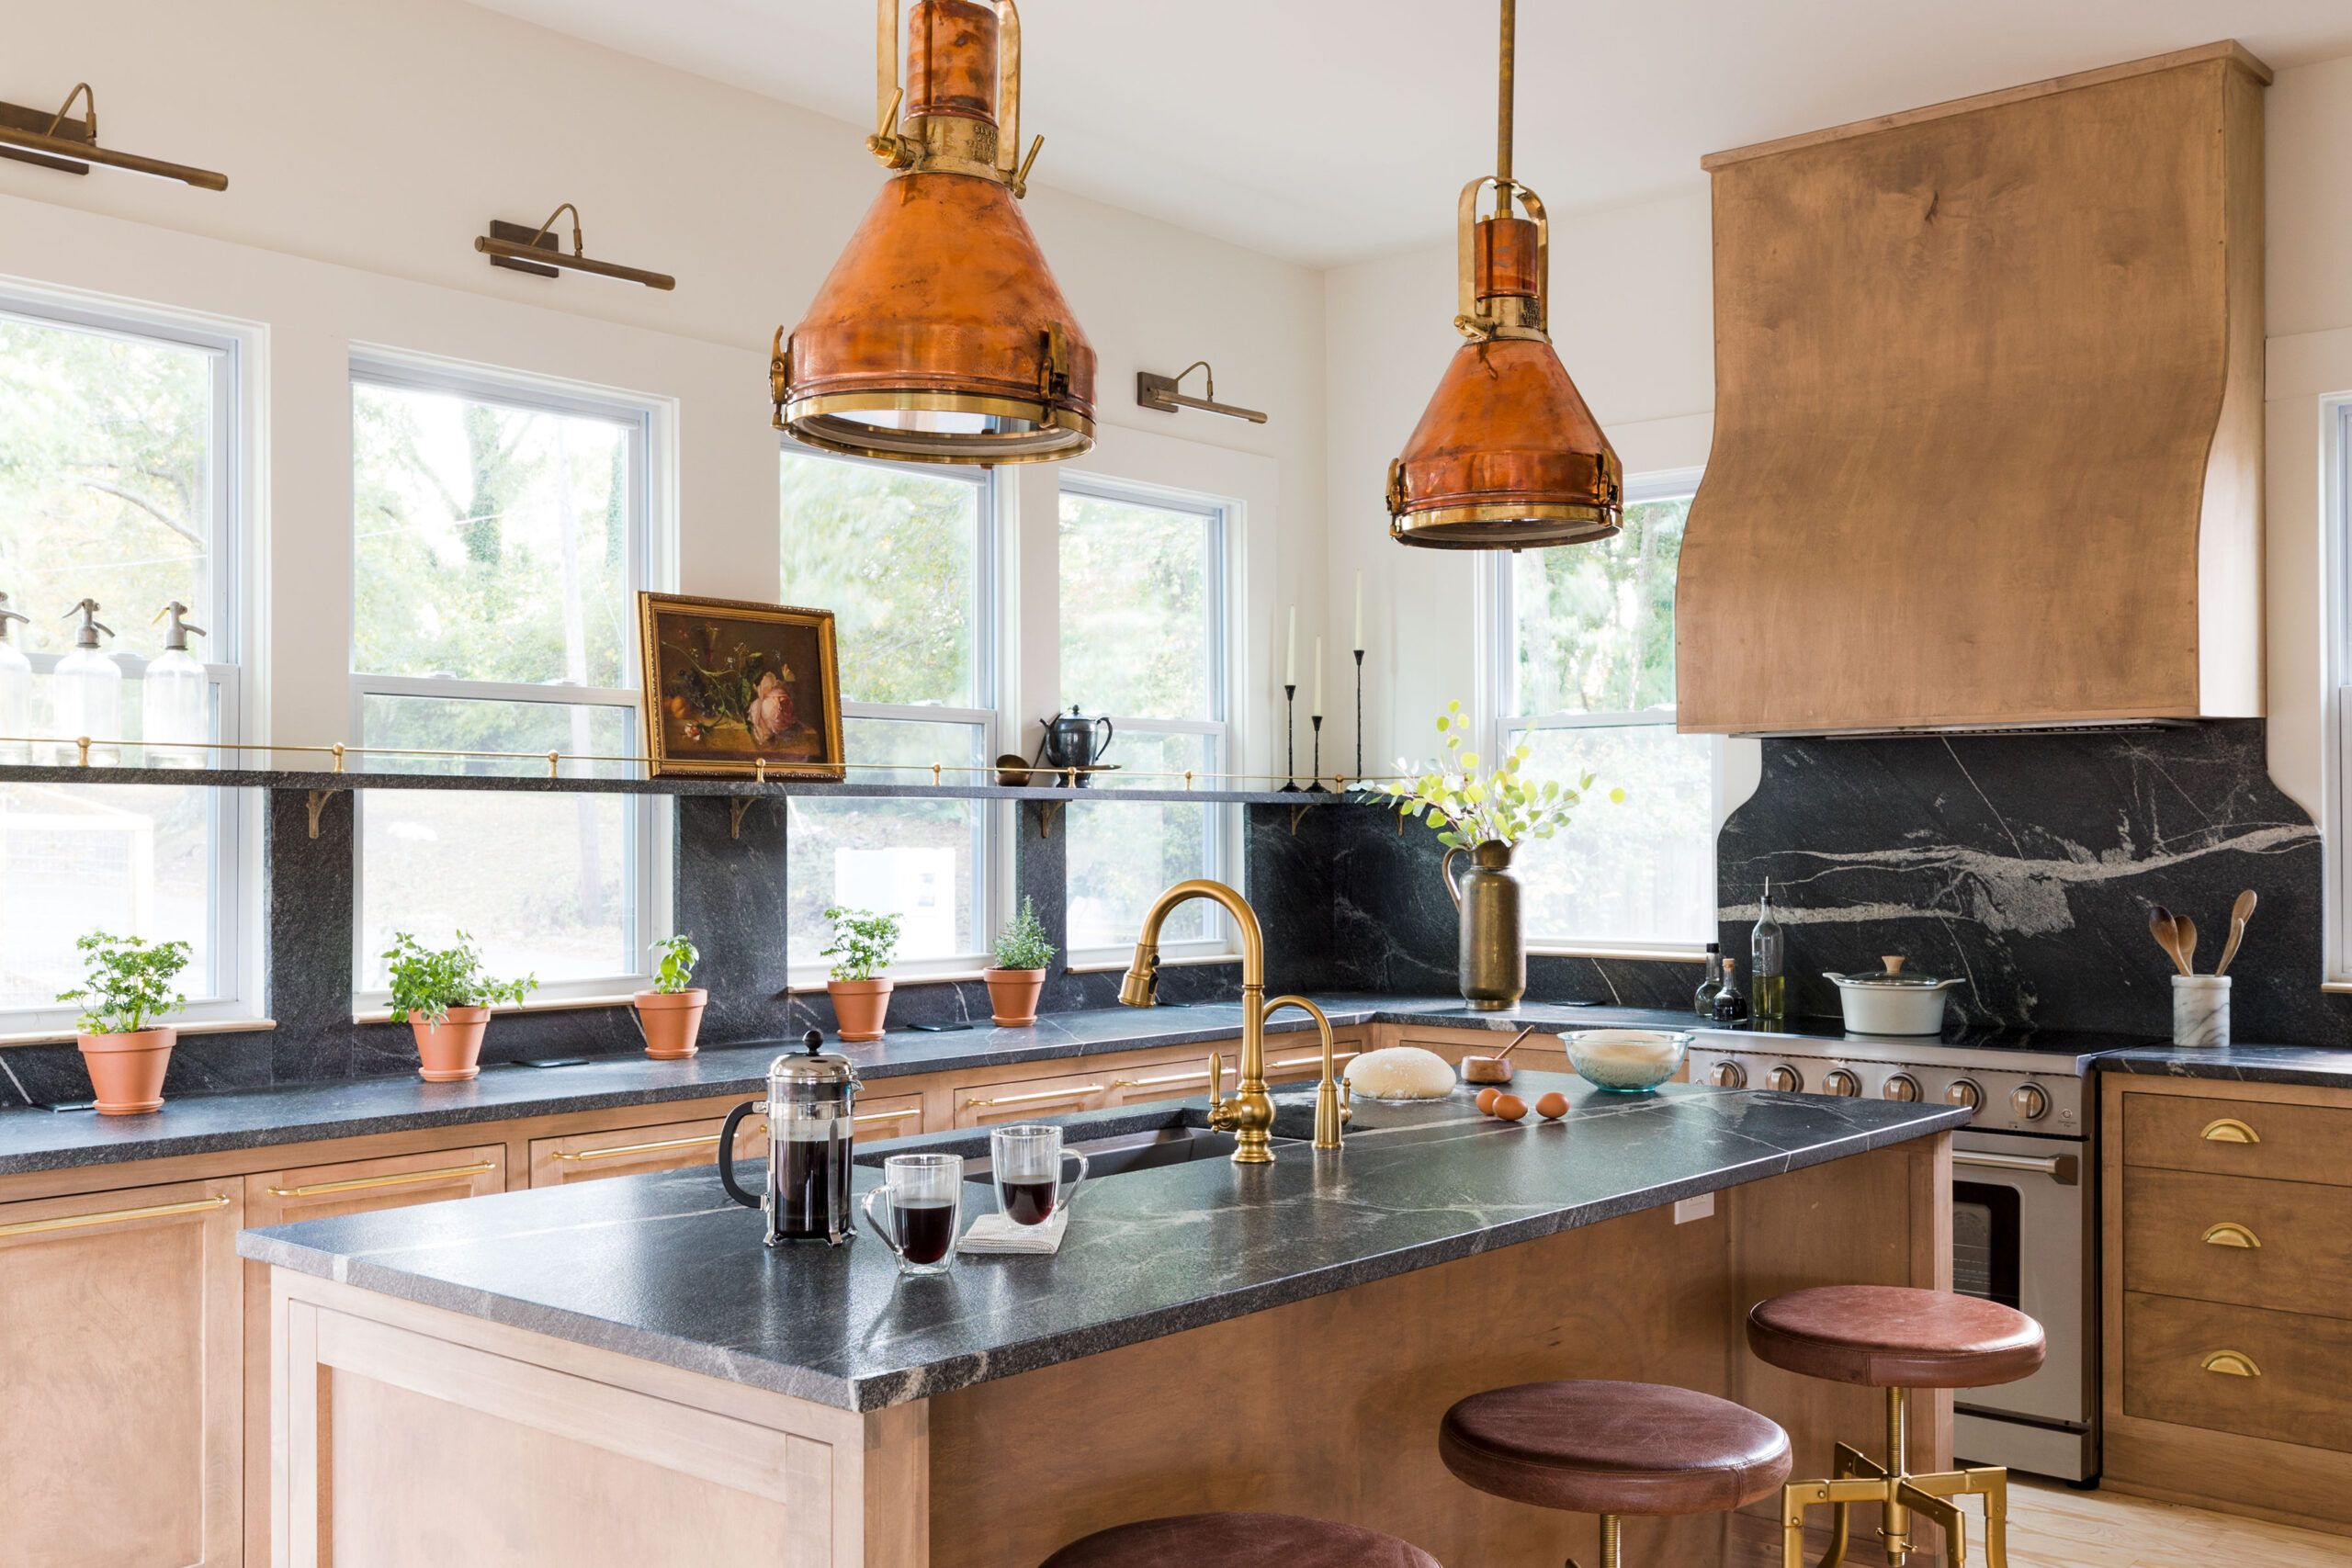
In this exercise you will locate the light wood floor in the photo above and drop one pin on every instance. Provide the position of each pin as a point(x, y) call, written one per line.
point(2055, 1527)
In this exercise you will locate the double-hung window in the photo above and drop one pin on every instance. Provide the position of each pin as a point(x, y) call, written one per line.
point(1584, 677)
point(2336, 505)
point(905, 557)
point(500, 537)
point(118, 465)
point(1145, 640)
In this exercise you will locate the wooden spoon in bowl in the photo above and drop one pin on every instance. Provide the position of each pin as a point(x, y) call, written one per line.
point(2240, 913)
point(1494, 1069)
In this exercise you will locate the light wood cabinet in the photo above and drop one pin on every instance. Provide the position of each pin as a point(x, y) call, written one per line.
point(634, 1151)
point(1024, 1099)
point(121, 1408)
point(881, 1117)
point(1180, 1079)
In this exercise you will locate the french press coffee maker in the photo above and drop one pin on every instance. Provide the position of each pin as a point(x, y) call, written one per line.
point(810, 1097)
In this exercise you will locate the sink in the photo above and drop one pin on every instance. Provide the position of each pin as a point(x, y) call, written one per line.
point(1146, 1150)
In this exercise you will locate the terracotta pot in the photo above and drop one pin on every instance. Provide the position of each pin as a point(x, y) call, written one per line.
point(1013, 996)
point(671, 1021)
point(450, 1051)
point(859, 1007)
point(127, 1070)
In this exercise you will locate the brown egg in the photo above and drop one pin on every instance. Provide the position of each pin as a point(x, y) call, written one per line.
point(1553, 1106)
point(1487, 1098)
point(1510, 1107)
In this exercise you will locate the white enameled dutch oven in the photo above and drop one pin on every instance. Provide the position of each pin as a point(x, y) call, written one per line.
point(1890, 1001)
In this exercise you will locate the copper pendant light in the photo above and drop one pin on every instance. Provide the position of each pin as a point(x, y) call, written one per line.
point(1507, 457)
point(940, 335)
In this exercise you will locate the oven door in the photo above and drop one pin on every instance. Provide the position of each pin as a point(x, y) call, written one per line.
point(2021, 1230)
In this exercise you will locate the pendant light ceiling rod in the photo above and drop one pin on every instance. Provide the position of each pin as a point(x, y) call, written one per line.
point(1507, 457)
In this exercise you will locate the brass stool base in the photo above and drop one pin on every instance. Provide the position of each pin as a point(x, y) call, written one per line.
point(1861, 1479)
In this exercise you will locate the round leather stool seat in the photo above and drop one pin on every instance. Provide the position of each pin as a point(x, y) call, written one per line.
point(1239, 1540)
point(1894, 1337)
point(1615, 1448)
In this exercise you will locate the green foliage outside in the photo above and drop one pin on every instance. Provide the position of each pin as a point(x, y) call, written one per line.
point(863, 942)
point(127, 983)
point(1469, 808)
point(1596, 622)
point(674, 958)
point(428, 982)
point(1022, 943)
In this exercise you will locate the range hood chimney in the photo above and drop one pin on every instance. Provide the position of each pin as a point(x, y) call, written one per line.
point(1988, 415)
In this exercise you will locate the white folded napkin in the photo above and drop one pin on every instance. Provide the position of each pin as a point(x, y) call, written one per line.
point(994, 1232)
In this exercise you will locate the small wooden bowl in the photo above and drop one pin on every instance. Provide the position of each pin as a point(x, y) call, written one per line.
point(1486, 1069)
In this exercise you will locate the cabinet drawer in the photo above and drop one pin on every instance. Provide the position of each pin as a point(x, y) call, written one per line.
point(2238, 1137)
point(1022, 1100)
point(633, 1151)
point(1183, 1075)
point(884, 1116)
point(2282, 1245)
point(1293, 1065)
point(359, 1186)
point(2232, 1369)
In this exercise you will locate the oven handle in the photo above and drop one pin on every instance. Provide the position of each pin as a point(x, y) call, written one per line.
point(2064, 1169)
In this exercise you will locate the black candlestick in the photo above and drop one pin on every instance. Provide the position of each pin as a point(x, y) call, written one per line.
point(1358, 773)
point(1315, 779)
point(1289, 738)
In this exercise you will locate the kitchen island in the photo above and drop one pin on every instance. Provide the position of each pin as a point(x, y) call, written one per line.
point(619, 1372)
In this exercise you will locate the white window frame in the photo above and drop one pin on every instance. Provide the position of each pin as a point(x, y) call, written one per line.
point(648, 855)
point(1499, 728)
point(1224, 826)
point(236, 874)
point(991, 880)
point(2336, 444)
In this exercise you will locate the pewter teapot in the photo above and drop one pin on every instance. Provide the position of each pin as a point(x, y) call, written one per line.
point(1070, 741)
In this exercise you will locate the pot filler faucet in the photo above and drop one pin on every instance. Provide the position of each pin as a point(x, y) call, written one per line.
point(1249, 1113)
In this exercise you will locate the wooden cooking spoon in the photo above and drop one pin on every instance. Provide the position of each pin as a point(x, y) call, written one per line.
point(2184, 937)
point(2162, 926)
point(2240, 913)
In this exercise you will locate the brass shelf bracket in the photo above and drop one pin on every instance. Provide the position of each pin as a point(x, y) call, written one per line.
point(1295, 813)
point(318, 803)
point(1047, 810)
point(737, 805)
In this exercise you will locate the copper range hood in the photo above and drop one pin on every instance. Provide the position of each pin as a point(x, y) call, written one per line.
point(940, 335)
point(1507, 457)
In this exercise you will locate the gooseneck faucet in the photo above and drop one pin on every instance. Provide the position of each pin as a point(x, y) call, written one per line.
point(1249, 1115)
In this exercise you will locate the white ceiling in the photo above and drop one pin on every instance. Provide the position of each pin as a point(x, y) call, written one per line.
point(1328, 131)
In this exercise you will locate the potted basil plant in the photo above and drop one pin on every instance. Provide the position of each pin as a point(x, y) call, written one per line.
point(127, 985)
point(670, 1015)
point(445, 997)
point(863, 945)
point(1018, 977)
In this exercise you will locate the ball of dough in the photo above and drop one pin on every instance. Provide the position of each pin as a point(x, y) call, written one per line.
point(1400, 1072)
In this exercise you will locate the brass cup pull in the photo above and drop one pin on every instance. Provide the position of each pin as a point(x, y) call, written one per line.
point(396, 1178)
point(115, 1216)
point(1041, 1096)
point(618, 1151)
point(2229, 1233)
point(2231, 1364)
point(2229, 1130)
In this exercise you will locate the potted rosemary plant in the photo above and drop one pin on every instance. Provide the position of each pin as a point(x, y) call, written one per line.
point(862, 947)
point(445, 997)
point(127, 985)
point(670, 1015)
point(1018, 977)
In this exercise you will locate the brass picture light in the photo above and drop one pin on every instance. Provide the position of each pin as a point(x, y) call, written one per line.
point(1154, 390)
point(525, 249)
point(54, 141)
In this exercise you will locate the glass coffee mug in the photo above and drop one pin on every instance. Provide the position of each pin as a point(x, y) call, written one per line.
point(1028, 1163)
point(924, 1194)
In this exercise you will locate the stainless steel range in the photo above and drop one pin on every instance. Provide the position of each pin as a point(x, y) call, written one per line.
point(2024, 1209)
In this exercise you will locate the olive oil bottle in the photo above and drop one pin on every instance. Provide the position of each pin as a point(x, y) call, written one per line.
point(1768, 962)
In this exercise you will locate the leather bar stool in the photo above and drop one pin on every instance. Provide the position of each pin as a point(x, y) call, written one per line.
point(1614, 1448)
point(1896, 1339)
point(1239, 1540)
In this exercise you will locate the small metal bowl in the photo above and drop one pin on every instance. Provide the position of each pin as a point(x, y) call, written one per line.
point(1013, 769)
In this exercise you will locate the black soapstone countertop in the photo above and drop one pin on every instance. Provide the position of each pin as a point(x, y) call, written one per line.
point(2316, 1065)
point(665, 1267)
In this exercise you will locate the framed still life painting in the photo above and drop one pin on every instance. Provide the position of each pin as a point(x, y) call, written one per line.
point(733, 686)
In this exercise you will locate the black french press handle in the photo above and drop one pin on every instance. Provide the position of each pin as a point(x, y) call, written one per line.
point(726, 1153)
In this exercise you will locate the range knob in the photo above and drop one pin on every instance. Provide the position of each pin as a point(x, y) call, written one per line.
point(1785, 1079)
point(1965, 1092)
point(1903, 1087)
point(1728, 1074)
point(1843, 1083)
point(2029, 1100)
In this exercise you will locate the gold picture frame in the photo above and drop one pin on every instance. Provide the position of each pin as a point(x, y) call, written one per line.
point(730, 686)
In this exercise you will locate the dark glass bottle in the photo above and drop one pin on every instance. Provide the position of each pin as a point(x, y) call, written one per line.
point(1703, 1002)
point(1730, 1005)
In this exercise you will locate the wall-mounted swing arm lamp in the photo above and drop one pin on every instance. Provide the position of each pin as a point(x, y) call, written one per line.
point(1156, 391)
point(54, 141)
point(523, 249)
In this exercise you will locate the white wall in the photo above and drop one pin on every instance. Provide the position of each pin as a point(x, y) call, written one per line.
point(366, 145)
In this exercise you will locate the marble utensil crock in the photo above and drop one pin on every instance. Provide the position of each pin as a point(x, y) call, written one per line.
point(2200, 1009)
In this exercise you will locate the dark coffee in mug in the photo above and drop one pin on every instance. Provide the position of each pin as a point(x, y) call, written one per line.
point(926, 1228)
point(1028, 1203)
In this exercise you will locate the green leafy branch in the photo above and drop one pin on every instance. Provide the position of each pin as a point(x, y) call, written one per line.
point(427, 982)
point(863, 944)
point(1467, 808)
point(127, 983)
point(1022, 944)
point(674, 960)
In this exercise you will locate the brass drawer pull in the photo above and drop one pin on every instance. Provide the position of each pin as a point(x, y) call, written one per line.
point(399, 1178)
point(2231, 1364)
point(1078, 1093)
point(2230, 1130)
point(115, 1216)
point(618, 1150)
point(1316, 1061)
point(887, 1115)
point(2229, 1233)
point(1196, 1075)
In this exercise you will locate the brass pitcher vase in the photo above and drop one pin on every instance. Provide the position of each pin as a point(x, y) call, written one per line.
point(1492, 963)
